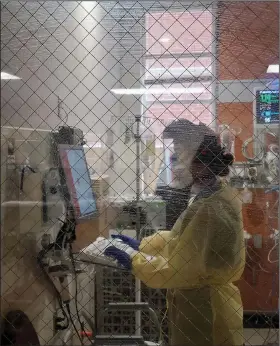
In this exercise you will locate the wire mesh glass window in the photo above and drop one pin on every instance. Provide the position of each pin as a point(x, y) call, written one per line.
point(179, 75)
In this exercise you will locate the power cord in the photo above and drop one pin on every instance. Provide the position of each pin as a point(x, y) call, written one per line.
point(58, 295)
point(59, 243)
point(76, 293)
point(59, 298)
point(22, 175)
point(268, 336)
point(73, 324)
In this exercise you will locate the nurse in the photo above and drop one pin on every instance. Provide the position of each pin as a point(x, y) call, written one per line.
point(199, 260)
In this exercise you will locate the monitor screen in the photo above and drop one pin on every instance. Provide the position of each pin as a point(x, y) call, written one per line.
point(78, 181)
point(267, 107)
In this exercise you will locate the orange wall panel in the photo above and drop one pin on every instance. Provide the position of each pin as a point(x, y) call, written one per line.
point(237, 115)
point(261, 216)
point(248, 38)
point(259, 285)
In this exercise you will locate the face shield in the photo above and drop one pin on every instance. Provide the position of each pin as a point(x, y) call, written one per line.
point(181, 141)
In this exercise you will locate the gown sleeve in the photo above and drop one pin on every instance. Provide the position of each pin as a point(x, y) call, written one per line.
point(155, 244)
point(206, 249)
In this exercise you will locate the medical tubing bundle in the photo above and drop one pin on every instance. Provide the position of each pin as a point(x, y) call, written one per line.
point(76, 293)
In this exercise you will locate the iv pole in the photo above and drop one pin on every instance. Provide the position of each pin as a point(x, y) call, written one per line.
point(137, 137)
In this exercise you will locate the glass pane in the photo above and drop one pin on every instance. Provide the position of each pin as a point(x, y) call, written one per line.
point(177, 32)
point(180, 91)
point(166, 68)
point(157, 116)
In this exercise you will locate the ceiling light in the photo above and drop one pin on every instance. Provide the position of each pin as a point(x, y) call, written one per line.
point(273, 69)
point(154, 91)
point(8, 76)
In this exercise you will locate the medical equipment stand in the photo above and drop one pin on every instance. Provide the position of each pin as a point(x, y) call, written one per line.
point(138, 219)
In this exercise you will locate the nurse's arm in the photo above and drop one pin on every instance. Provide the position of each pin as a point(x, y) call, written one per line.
point(155, 244)
point(182, 267)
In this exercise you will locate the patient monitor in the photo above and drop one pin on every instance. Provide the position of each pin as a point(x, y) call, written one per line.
point(67, 183)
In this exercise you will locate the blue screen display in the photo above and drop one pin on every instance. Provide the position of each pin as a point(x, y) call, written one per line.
point(78, 181)
point(267, 109)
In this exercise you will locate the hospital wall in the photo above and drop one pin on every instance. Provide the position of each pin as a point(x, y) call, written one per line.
point(56, 58)
point(248, 44)
point(63, 52)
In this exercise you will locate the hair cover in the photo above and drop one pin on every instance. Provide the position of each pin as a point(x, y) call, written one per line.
point(212, 154)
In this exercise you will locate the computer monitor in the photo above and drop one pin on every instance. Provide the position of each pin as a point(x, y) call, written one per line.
point(77, 180)
point(267, 107)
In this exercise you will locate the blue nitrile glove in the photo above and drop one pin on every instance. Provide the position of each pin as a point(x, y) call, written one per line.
point(128, 240)
point(120, 252)
point(122, 257)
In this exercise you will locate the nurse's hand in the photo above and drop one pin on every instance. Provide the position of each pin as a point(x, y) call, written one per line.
point(121, 257)
point(120, 252)
point(127, 240)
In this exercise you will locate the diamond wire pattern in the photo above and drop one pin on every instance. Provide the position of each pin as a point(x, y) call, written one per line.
point(75, 53)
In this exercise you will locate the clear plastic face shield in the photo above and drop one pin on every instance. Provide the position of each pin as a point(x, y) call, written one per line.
point(178, 156)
